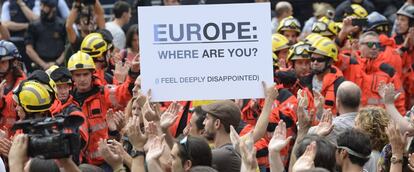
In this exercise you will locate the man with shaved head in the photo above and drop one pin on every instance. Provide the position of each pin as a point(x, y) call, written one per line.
point(348, 98)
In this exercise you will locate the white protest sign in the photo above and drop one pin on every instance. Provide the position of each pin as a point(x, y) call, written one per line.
point(205, 52)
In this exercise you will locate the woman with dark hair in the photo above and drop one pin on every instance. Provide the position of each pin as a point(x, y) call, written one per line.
point(132, 44)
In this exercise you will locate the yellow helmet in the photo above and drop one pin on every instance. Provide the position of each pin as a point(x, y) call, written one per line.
point(33, 96)
point(299, 51)
point(51, 69)
point(356, 10)
point(326, 47)
point(339, 25)
point(279, 42)
point(311, 38)
point(289, 23)
point(80, 60)
point(94, 44)
point(325, 27)
point(275, 60)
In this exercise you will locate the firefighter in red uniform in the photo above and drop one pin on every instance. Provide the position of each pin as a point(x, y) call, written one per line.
point(66, 104)
point(98, 48)
point(10, 78)
point(284, 106)
point(376, 71)
point(389, 54)
point(325, 77)
point(405, 42)
point(290, 28)
point(95, 99)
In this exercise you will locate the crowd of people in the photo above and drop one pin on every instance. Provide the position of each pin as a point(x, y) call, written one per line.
point(71, 98)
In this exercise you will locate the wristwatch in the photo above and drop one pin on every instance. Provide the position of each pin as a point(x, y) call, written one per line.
point(135, 153)
point(395, 160)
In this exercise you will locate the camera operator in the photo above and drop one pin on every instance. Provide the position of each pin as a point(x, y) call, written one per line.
point(18, 156)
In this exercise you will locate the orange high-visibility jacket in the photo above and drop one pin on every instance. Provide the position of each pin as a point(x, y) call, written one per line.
point(95, 106)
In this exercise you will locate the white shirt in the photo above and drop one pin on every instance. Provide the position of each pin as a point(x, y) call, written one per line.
point(5, 10)
point(61, 6)
point(118, 34)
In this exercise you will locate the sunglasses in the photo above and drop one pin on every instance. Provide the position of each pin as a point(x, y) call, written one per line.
point(319, 60)
point(372, 44)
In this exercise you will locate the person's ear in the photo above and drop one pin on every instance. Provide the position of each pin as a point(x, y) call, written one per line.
point(187, 165)
point(343, 154)
point(217, 123)
point(200, 132)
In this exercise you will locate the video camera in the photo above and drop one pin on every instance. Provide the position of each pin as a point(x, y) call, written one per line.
point(49, 138)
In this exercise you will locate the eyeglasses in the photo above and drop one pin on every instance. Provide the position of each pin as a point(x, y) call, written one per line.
point(319, 60)
point(371, 44)
point(184, 143)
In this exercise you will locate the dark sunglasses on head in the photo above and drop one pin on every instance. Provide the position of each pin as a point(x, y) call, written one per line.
point(184, 143)
point(372, 44)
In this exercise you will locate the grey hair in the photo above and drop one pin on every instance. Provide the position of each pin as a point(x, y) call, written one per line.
point(365, 34)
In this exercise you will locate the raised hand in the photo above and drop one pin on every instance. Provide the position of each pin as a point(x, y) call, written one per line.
point(388, 93)
point(411, 161)
point(304, 118)
point(319, 103)
point(151, 130)
point(235, 138)
point(135, 135)
point(151, 112)
point(396, 138)
point(155, 150)
point(135, 65)
point(306, 161)
point(121, 71)
point(169, 116)
point(110, 154)
point(120, 120)
point(248, 154)
point(325, 126)
point(5, 145)
point(18, 152)
point(2, 86)
point(279, 140)
point(347, 26)
point(110, 120)
point(270, 92)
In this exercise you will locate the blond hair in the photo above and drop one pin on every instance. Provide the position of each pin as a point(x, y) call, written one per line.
point(373, 120)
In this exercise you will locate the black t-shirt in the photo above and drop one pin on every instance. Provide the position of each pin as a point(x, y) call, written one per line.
point(47, 38)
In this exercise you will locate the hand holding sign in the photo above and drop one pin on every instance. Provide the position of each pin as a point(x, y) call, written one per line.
point(205, 51)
